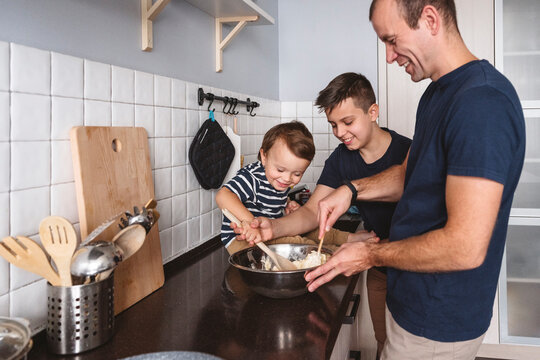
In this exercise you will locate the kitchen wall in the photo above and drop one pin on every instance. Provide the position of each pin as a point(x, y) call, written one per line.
point(184, 48)
point(43, 94)
point(319, 39)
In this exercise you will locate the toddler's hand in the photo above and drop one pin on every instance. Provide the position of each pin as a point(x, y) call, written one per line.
point(291, 207)
point(252, 235)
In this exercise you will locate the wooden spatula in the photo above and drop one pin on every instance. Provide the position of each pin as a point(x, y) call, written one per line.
point(28, 255)
point(130, 240)
point(60, 240)
point(281, 262)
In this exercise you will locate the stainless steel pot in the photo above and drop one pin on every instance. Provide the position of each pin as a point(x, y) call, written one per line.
point(274, 284)
point(15, 338)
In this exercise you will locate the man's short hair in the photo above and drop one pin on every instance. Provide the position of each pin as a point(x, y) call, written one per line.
point(344, 86)
point(412, 9)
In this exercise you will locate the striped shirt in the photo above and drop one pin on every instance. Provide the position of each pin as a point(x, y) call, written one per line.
point(258, 196)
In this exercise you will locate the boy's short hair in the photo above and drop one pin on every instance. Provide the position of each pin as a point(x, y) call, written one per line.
point(297, 137)
point(344, 86)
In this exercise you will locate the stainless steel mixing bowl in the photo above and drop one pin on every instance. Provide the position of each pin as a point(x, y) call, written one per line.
point(274, 284)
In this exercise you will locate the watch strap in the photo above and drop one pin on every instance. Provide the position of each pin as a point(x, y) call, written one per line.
point(353, 190)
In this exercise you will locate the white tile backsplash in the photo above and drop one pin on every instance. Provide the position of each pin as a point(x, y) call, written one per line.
point(123, 114)
point(4, 66)
point(30, 117)
point(5, 170)
point(62, 165)
point(178, 151)
point(27, 209)
point(165, 210)
point(66, 113)
point(163, 183)
point(194, 205)
point(162, 91)
point(30, 70)
point(144, 117)
point(4, 116)
point(179, 209)
point(163, 152)
point(67, 75)
point(97, 81)
point(97, 113)
point(30, 164)
point(179, 238)
point(206, 202)
point(30, 302)
point(178, 122)
point(179, 180)
point(4, 220)
point(165, 238)
point(123, 84)
point(178, 93)
point(144, 88)
point(36, 171)
point(163, 121)
point(64, 202)
point(4, 277)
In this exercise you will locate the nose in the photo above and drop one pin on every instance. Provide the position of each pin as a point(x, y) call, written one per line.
point(338, 131)
point(390, 54)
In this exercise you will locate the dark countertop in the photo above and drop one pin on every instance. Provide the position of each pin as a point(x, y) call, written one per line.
point(204, 306)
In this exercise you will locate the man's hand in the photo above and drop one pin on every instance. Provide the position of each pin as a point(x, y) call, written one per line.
point(349, 259)
point(332, 207)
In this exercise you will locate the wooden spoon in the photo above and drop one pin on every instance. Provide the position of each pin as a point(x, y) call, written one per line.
point(28, 255)
point(281, 262)
point(60, 240)
point(129, 240)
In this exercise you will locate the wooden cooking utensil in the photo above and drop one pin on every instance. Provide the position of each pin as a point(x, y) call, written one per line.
point(281, 262)
point(129, 240)
point(321, 240)
point(28, 255)
point(60, 240)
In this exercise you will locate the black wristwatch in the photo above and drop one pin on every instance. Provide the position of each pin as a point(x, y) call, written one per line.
point(353, 190)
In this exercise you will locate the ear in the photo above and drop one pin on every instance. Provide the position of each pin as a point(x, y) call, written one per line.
point(373, 112)
point(431, 18)
point(263, 157)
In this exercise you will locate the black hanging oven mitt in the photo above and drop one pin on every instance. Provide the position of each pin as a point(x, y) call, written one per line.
point(211, 154)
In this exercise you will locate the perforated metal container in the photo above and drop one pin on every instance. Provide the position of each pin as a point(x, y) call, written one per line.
point(80, 317)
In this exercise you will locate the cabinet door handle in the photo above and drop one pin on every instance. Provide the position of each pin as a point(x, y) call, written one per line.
point(349, 319)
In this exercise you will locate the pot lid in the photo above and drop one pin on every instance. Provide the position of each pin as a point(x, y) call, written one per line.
point(14, 337)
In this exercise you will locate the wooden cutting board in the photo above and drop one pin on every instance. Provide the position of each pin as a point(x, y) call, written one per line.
point(112, 173)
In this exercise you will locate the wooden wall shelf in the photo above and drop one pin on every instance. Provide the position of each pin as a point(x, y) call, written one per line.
point(241, 12)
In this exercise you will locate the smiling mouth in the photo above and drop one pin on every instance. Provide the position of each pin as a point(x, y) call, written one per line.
point(346, 140)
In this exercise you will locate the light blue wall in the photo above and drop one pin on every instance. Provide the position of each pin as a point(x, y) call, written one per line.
point(319, 39)
point(109, 31)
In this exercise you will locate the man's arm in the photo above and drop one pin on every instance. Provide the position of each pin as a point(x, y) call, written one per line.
point(472, 206)
point(384, 186)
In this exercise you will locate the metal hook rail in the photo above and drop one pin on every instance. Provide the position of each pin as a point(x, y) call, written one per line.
point(231, 102)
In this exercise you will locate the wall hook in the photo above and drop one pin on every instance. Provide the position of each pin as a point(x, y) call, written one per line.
point(211, 99)
point(227, 101)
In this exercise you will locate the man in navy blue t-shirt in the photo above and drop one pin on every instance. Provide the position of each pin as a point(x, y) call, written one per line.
point(455, 190)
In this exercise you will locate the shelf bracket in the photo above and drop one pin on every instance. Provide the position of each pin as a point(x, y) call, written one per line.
point(221, 44)
point(149, 11)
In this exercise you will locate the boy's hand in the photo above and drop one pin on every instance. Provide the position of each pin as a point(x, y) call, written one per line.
point(291, 207)
point(332, 207)
point(264, 225)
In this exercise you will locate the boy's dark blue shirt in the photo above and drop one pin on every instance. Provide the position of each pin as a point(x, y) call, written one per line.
point(469, 123)
point(344, 164)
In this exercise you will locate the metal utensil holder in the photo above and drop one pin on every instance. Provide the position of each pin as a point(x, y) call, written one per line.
point(81, 317)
